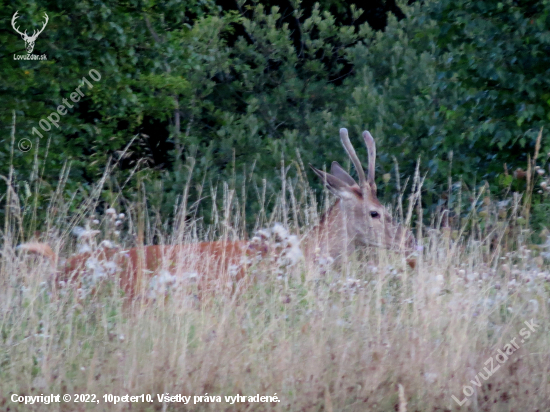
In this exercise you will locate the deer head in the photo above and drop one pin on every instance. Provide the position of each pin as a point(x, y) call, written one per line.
point(29, 40)
point(358, 217)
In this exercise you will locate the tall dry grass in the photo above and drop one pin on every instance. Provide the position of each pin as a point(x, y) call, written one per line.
point(369, 335)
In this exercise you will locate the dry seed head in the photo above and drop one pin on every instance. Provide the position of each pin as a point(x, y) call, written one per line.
point(82, 233)
point(107, 244)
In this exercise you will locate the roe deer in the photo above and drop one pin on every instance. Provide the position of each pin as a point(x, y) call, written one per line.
point(356, 219)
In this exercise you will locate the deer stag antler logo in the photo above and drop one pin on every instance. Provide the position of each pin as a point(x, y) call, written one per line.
point(29, 40)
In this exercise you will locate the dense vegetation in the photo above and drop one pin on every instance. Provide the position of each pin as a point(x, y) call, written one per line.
point(244, 86)
point(196, 120)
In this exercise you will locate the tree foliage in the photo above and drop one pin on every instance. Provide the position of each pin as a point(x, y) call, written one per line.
point(250, 86)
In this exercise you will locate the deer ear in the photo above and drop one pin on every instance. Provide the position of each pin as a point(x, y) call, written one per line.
point(336, 186)
point(340, 173)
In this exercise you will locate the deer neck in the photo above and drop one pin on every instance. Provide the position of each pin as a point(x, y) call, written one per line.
point(331, 237)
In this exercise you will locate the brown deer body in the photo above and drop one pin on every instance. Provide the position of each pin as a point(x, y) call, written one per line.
point(355, 220)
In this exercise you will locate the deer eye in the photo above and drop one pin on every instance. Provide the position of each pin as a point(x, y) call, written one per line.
point(374, 214)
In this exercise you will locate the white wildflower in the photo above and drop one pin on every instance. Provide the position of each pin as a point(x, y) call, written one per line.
point(82, 233)
point(107, 244)
point(471, 277)
point(263, 233)
point(430, 377)
point(280, 231)
point(84, 248)
point(111, 267)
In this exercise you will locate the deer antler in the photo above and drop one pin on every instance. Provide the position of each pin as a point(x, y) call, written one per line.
point(15, 17)
point(34, 34)
point(371, 149)
point(353, 156)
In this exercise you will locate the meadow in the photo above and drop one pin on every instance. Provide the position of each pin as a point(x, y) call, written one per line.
point(199, 127)
point(368, 334)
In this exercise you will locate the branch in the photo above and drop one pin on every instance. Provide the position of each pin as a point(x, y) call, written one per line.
point(245, 32)
point(153, 32)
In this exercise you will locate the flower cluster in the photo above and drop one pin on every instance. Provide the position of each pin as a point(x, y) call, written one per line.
point(101, 259)
point(277, 247)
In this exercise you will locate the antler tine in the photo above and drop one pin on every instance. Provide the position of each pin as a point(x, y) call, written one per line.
point(15, 17)
point(371, 149)
point(43, 27)
point(352, 155)
point(45, 23)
